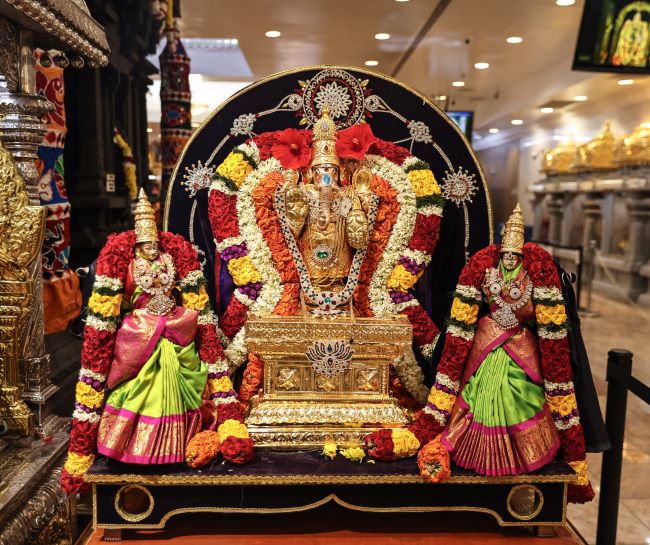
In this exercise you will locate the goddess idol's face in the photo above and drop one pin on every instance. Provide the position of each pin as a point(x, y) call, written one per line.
point(510, 260)
point(147, 250)
point(326, 176)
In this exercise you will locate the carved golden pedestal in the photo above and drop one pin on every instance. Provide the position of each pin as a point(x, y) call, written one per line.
point(302, 408)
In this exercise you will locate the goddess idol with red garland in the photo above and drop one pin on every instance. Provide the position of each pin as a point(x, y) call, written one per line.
point(503, 402)
point(150, 340)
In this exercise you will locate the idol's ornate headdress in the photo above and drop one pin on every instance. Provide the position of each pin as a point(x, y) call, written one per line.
point(146, 229)
point(323, 149)
point(513, 234)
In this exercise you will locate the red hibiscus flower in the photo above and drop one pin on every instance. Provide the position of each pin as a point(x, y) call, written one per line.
point(290, 147)
point(380, 445)
point(354, 142)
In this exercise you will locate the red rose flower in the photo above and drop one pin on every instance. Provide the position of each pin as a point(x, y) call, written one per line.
point(426, 233)
point(264, 144)
point(425, 427)
point(424, 330)
point(83, 438)
point(380, 445)
point(573, 443)
point(354, 142)
point(233, 318)
point(71, 484)
point(291, 149)
point(392, 152)
point(229, 411)
point(222, 211)
point(237, 451)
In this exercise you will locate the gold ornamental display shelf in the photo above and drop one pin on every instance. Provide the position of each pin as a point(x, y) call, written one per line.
point(302, 405)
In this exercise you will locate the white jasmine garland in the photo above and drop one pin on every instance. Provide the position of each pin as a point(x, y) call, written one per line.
point(427, 349)
point(380, 301)
point(219, 366)
point(411, 376)
point(410, 162)
point(444, 380)
point(83, 416)
point(457, 331)
point(107, 282)
point(228, 242)
point(237, 351)
point(100, 324)
point(440, 418)
point(192, 278)
point(565, 386)
point(219, 185)
point(549, 294)
point(88, 373)
point(548, 334)
point(420, 257)
point(469, 292)
point(207, 317)
point(562, 425)
point(430, 210)
point(250, 150)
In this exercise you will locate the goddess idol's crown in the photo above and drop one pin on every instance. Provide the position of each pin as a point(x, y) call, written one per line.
point(146, 229)
point(323, 148)
point(513, 234)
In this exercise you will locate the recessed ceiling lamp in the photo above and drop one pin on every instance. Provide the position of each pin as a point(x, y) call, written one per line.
point(273, 34)
point(493, 130)
point(401, 0)
point(580, 98)
point(564, 3)
point(371, 63)
point(382, 36)
point(481, 65)
point(458, 83)
point(514, 39)
point(149, 129)
point(625, 81)
point(517, 122)
point(440, 97)
point(546, 110)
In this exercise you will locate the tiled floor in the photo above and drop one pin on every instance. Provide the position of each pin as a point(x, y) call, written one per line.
point(621, 326)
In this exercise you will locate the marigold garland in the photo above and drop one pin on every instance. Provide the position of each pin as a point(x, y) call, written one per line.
point(128, 164)
point(99, 343)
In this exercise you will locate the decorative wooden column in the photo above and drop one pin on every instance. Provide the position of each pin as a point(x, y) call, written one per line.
point(592, 214)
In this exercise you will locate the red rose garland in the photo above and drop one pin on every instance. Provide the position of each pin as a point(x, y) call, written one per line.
point(554, 351)
point(99, 343)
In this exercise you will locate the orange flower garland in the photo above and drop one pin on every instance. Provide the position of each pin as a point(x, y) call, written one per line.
point(202, 449)
point(433, 461)
point(252, 379)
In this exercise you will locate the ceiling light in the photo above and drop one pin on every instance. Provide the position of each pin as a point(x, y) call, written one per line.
point(625, 81)
point(514, 39)
point(401, 0)
point(149, 129)
point(580, 98)
point(481, 65)
point(517, 122)
point(371, 63)
point(273, 34)
point(564, 3)
point(440, 97)
point(458, 83)
point(382, 36)
point(546, 110)
point(493, 131)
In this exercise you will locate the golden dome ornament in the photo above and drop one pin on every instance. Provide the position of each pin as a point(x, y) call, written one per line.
point(513, 234)
point(600, 151)
point(323, 149)
point(636, 147)
point(146, 228)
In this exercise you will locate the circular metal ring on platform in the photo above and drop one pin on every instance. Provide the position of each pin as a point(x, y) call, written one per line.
point(519, 505)
point(121, 510)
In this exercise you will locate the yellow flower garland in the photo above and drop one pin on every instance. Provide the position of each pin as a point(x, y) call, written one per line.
point(106, 305)
point(547, 315)
point(130, 176)
point(401, 280)
point(232, 428)
point(405, 444)
point(223, 384)
point(423, 183)
point(87, 395)
point(464, 312)
point(354, 454)
point(243, 271)
point(580, 467)
point(235, 168)
point(442, 400)
point(78, 465)
point(562, 405)
point(195, 301)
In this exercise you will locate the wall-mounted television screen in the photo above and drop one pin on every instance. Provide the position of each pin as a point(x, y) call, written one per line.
point(614, 36)
point(464, 120)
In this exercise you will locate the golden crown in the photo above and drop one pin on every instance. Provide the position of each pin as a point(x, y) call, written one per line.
point(513, 234)
point(323, 149)
point(146, 229)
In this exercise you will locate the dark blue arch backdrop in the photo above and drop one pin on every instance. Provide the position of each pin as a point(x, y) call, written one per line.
point(394, 111)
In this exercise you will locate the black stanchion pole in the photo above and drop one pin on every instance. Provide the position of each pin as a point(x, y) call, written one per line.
point(610, 478)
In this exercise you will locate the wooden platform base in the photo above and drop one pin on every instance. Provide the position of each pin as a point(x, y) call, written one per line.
point(282, 483)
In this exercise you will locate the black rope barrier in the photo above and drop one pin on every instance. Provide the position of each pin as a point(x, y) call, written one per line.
point(620, 380)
